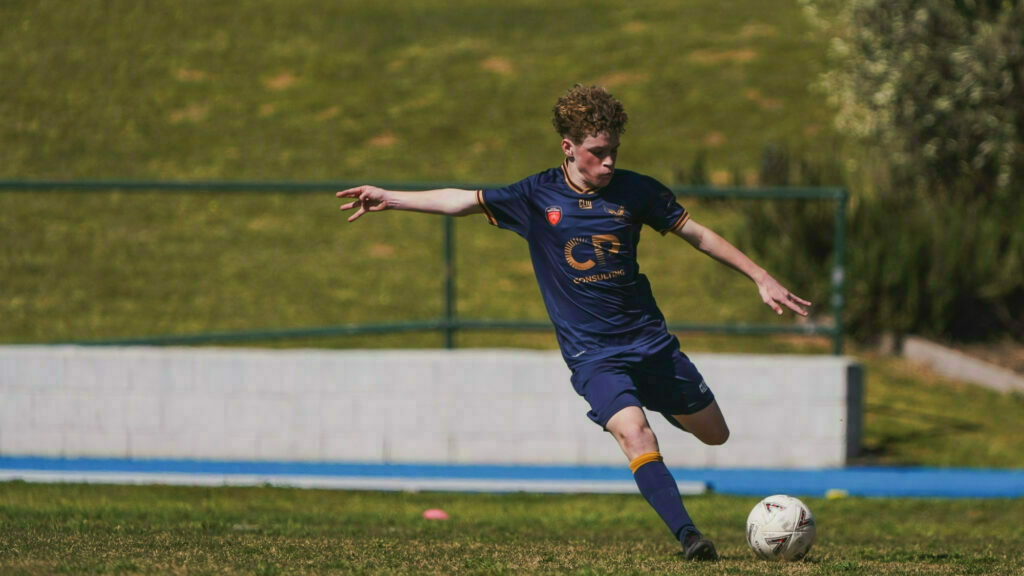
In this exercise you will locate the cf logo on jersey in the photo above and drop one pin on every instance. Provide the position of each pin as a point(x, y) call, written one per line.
point(602, 243)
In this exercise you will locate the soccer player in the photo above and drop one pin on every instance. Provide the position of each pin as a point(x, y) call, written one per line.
point(582, 222)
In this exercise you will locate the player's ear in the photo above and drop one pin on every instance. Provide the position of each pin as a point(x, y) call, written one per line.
point(569, 148)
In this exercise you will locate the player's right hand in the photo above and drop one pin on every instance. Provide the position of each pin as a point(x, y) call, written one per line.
point(367, 198)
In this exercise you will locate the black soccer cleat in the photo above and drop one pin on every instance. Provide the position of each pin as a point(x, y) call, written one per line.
point(697, 547)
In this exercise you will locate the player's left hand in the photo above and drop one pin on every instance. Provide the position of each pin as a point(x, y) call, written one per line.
point(773, 294)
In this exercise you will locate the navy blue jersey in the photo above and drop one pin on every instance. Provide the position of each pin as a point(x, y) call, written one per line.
point(583, 244)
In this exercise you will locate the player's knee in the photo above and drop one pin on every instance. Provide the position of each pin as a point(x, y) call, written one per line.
point(635, 437)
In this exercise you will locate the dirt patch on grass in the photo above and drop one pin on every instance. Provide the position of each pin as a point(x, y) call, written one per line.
point(635, 27)
point(714, 139)
point(722, 56)
point(488, 146)
point(499, 65)
point(267, 110)
point(381, 251)
point(327, 114)
point(189, 75)
point(192, 113)
point(762, 101)
point(757, 30)
point(622, 78)
point(382, 140)
point(262, 223)
point(720, 177)
point(282, 81)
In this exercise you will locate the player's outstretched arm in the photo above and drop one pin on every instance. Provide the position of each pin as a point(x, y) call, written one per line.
point(773, 294)
point(450, 201)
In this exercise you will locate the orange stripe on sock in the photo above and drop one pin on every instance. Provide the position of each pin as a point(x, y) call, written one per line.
point(644, 459)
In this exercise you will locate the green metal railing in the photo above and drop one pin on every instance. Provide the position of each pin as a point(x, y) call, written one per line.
point(450, 323)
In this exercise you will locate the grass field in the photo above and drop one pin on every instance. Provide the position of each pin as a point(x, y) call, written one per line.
point(76, 529)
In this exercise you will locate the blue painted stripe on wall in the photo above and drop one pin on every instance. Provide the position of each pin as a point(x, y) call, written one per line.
point(318, 468)
point(876, 482)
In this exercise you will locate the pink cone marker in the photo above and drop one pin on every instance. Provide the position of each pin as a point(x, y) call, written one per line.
point(435, 514)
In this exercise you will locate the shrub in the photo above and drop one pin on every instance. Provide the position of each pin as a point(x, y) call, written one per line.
point(930, 94)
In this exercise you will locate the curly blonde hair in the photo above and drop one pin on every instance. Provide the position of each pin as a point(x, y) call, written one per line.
point(588, 111)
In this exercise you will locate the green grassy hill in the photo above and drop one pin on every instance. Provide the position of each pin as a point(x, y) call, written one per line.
point(404, 90)
point(356, 91)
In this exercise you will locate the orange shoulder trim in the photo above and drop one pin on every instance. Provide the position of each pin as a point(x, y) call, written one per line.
point(487, 211)
point(679, 223)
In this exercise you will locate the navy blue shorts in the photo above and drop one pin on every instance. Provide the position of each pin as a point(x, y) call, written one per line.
point(665, 382)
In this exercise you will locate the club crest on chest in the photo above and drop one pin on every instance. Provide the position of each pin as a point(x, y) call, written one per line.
point(554, 214)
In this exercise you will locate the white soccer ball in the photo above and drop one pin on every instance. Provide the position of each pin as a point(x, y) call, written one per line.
point(780, 528)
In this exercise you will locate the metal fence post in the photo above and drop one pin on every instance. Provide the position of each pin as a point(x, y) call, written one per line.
point(839, 273)
point(449, 283)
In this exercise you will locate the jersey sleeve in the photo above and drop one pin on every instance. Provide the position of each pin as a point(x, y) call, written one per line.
point(664, 214)
point(508, 207)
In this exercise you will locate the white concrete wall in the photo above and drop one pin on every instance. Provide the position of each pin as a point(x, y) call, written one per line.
point(465, 406)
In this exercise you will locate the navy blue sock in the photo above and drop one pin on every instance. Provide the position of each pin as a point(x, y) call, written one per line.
point(659, 489)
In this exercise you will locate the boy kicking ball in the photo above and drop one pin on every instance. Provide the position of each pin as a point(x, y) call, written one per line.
point(582, 222)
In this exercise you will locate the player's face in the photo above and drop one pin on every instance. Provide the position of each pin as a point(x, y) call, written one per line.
point(594, 158)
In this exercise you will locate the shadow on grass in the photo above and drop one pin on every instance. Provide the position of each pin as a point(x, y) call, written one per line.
point(926, 426)
point(967, 563)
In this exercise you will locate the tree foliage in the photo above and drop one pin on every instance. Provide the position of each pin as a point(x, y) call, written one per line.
point(935, 86)
point(931, 95)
